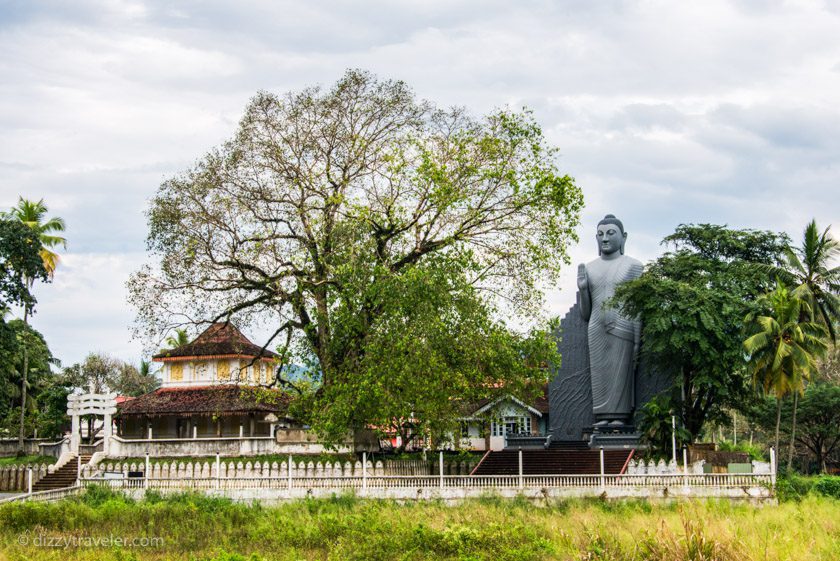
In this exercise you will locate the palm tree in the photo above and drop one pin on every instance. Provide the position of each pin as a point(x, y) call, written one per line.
point(178, 340)
point(808, 268)
point(33, 215)
point(783, 349)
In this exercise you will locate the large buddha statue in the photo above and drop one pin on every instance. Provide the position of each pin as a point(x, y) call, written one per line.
point(613, 337)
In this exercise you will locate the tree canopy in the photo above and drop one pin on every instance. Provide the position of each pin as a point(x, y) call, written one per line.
point(20, 260)
point(692, 302)
point(377, 235)
point(39, 381)
point(818, 421)
point(103, 373)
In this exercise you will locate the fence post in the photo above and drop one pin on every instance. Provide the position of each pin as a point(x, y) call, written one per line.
point(441, 469)
point(218, 471)
point(603, 483)
point(773, 467)
point(290, 474)
point(29, 481)
point(521, 480)
point(685, 468)
point(364, 471)
point(146, 473)
point(674, 438)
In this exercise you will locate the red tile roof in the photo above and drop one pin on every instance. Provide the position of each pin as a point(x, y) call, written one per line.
point(217, 341)
point(207, 400)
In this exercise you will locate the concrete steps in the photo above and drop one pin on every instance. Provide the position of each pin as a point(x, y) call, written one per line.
point(65, 476)
point(554, 461)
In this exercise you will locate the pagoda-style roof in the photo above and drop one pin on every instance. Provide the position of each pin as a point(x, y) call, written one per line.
point(206, 400)
point(538, 404)
point(220, 340)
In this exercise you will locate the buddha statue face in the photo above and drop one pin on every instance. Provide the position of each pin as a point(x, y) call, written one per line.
point(610, 236)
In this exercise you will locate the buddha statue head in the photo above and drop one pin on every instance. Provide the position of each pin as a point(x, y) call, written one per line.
point(610, 236)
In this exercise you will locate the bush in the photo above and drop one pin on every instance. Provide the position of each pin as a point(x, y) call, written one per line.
point(796, 487)
point(828, 486)
point(756, 452)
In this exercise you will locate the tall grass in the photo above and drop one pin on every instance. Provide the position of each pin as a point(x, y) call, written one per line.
point(197, 527)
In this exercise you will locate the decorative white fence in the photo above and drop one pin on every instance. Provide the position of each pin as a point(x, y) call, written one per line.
point(247, 469)
point(16, 478)
point(338, 483)
point(45, 496)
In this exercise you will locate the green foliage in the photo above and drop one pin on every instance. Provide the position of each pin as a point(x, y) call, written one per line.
point(784, 346)
point(692, 302)
point(33, 215)
point(817, 420)
point(381, 237)
point(812, 268)
point(26, 460)
point(102, 372)
point(654, 423)
point(797, 487)
point(755, 451)
point(19, 261)
point(828, 486)
point(46, 403)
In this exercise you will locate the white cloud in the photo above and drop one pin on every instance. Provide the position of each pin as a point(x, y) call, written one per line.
point(664, 112)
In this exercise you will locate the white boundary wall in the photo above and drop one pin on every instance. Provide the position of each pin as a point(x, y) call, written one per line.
point(278, 488)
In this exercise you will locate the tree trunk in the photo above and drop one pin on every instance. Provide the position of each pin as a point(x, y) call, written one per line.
point(792, 431)
point(778, 421)
point(24, 376)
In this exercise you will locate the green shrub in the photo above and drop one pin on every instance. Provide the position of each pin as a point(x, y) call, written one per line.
point(793, 487)
point(828, 486)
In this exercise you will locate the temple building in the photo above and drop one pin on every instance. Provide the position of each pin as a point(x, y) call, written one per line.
point(213, 392)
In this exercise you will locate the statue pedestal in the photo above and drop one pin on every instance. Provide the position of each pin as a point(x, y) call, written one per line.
point(613, 437)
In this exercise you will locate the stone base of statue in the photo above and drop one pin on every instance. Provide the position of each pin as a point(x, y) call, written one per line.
point(614, 437)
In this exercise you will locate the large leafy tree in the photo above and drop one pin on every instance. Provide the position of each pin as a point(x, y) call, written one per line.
point(27, 344)
point(330, 214)
point(818, 420)
point(783, 348)
point(692, 302)
point(33, 216)
point(20, 263)
point(100, 373)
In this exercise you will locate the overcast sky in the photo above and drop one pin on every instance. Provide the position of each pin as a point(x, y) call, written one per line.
point(665, 112)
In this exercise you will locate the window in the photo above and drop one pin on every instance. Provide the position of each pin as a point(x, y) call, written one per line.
point(465, 429)
point(511, 425)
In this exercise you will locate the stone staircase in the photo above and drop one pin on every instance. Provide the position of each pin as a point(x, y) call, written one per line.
point(555, 460)
point(65, 476)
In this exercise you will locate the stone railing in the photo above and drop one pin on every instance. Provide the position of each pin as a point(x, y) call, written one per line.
point(55, 449)
point(297, 485)
point(651, 467)
point(248, 469)
point(16, 478)
point(226, 446)
point(45, 496)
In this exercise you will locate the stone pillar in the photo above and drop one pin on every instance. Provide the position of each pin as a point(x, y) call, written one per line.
point(75, 434)
point(106, 433)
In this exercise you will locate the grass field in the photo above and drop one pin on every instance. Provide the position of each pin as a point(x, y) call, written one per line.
point(199, 528)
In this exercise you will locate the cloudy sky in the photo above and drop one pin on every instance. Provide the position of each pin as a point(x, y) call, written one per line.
point(665, 112)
